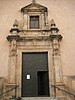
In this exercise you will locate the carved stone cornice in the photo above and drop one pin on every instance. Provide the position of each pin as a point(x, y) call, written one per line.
point(11, 37)
point(20, 38)
point(54, 29)
point(35, 38)
point(14, 29)
point(57, 36)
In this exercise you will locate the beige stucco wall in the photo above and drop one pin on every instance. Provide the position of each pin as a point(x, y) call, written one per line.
point(63, 12)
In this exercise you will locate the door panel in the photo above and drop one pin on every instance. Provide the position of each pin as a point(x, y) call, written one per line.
point(28, 84)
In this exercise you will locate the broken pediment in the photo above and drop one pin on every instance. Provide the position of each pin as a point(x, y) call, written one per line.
point(34, 7)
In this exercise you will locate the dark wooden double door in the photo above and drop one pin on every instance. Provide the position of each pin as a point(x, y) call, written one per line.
point(35, 80)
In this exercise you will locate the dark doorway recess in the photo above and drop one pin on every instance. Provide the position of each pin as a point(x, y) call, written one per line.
point(43, 83)
point(35, 74)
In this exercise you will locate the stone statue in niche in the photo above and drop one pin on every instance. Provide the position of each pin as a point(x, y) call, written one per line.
point(56, 52)
point(13, 48)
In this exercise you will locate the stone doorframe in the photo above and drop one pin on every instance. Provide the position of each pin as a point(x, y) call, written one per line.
point(19, 64)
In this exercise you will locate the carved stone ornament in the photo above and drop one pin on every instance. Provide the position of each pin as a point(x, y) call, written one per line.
point(13, 48)
point(29, 8)
point(56, 52)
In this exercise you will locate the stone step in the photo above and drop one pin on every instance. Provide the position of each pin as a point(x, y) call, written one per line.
point(61, 98)
point(38, 98)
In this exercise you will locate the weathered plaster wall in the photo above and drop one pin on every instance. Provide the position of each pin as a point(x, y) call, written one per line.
point(63, 12)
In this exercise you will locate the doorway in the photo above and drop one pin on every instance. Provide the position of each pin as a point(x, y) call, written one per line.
point(43, 83)
point(35, 81)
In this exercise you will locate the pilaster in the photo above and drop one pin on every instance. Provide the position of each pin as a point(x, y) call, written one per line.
point(56, 56)
point(13, 38)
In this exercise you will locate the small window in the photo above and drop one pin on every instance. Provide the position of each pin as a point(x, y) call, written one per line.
point(34, 22)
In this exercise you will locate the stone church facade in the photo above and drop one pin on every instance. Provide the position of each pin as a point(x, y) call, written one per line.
point(34, 62)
